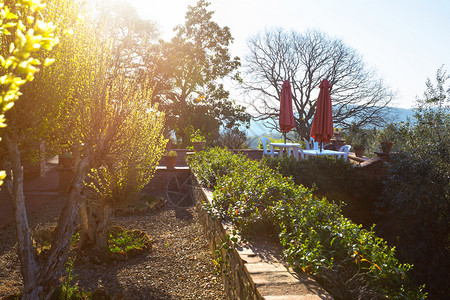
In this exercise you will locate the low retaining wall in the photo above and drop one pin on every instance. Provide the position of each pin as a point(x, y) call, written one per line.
point(254, 154)
point(372, 167)
point(162, 177)
point(253, 270)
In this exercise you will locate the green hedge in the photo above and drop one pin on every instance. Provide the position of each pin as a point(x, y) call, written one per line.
point(350, 262)
point(336, 180)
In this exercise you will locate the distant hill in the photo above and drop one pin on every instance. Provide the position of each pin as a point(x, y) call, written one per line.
point(402, 113)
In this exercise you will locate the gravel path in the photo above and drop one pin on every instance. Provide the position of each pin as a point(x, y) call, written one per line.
point(179, 266)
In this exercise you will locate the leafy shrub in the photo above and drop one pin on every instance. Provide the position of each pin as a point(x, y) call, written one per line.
point(351, 262)
point(69, 289)
point(214, 163)
point(246, 196)
point(363, 137)
point(121, 240)
point(233, 139)
point(336, 180)
point(413, 213)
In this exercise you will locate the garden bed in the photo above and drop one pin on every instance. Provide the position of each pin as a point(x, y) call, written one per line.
point(179, 266)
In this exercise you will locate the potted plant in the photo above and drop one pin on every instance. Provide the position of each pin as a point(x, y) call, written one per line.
point(385, 143)
point(359, 150)
point(358, 141)
point(198, 140)
point(170, 158)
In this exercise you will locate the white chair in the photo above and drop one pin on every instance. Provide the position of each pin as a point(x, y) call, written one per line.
point(297, 150)
point(307, 144)
point(314, 144)
point(267, 147)
point(346, 149)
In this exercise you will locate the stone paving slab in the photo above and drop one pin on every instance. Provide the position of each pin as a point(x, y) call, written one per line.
point(251, 258)
point(296, 297)
point(265, 267)
point(278, 278)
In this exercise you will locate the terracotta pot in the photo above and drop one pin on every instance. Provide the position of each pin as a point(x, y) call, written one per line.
point(170, 161)
point(386, 147)
point(359, 151)
point(198, 146)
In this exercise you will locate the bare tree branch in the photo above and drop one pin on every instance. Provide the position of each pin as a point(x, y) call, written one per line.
point(305, 59)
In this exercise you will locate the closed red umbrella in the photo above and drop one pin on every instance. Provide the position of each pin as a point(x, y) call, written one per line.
point(287, 121)
point(322, 126)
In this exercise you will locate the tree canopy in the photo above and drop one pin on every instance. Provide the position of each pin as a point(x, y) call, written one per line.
point(23, 34)
point(190, 70)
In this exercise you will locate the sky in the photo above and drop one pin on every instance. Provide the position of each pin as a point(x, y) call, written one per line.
point(404, 41)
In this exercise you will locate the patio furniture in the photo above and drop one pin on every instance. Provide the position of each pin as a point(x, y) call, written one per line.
point(307, 144)
point(345, 149)
point(284, 147)
point(307, 153)
point(298, 152)
point(267, 147)
point(314, 144)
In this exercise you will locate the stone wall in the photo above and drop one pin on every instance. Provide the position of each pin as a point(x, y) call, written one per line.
point(162, 176)
point(237, 282)
point(373, 167)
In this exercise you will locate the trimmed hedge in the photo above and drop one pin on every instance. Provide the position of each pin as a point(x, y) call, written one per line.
point(349, 261)
point(336, 180)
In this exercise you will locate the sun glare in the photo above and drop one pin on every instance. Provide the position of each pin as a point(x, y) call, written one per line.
point(166, 14)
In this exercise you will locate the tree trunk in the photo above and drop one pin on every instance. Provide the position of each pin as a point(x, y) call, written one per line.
point(14, 185)
point(94, 219)
point(41, 277)
point(76, 153)
point(67, 224)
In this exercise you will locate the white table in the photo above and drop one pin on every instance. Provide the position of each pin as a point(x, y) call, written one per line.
point(323, 152)
point(282, 146)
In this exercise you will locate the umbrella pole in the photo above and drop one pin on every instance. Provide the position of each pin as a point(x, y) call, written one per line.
point(284, 137)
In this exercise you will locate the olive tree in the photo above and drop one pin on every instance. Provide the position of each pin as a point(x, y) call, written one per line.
point(358, 97)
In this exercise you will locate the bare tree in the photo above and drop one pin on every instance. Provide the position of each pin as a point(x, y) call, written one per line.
point(358, 97)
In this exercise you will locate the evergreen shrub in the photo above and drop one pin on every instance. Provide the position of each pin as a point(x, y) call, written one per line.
point(336, 180)
point(350, 262)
